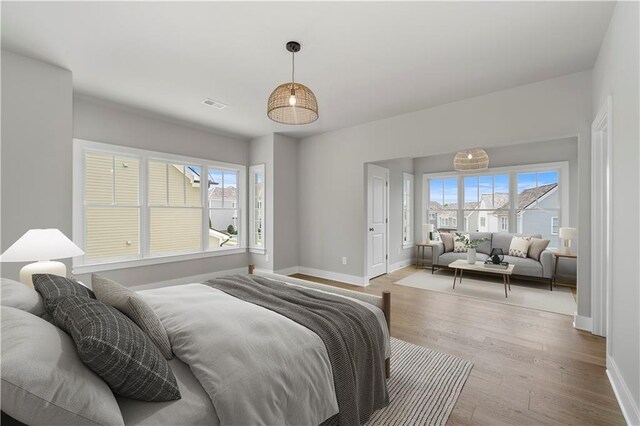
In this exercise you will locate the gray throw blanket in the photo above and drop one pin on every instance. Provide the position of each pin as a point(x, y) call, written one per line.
point(351, 334)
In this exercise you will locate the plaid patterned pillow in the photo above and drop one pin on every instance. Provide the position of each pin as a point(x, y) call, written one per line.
point(52, 287)
point(116, 349)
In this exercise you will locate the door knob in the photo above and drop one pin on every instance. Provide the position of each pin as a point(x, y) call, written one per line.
point(371, 229)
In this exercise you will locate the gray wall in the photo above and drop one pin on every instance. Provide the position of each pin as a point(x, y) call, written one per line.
point(36, 150)
point(262, 153)
point(616, 73)
point(566, 149)
point(101, 121)
point(331, 185)
point(285, 226)
point(396, 168)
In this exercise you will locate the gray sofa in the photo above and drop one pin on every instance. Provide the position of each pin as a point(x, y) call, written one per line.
point(527, 267)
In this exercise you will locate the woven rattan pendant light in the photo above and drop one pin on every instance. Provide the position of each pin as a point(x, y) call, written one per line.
point(292, 103)
point(471, 160)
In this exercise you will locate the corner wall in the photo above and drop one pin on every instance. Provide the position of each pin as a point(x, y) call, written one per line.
point(616, 73)
point(36, 150)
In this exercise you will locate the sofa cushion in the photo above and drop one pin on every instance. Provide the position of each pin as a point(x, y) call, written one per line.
point(519, 246)
point(484, 247)
point(447, 240)
point(502, 240)
point(447, 258)
point(525, 266)
point(536, 247)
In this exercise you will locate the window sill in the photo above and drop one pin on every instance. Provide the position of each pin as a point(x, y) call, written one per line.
point(124, 264)
point(257, 250)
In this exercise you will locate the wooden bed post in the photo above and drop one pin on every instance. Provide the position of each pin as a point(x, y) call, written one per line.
point(251, 267)
point(386, 308)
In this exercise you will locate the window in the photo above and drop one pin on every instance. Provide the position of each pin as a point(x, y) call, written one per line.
point(443, 203)
point(519, 199)
point(407, 210)
point(133, 205)
point(256, 214)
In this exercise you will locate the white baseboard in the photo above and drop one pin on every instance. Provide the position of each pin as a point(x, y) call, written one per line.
point(288, 271)
point(190, 279)
point(335, 276)
point(623, 395)
point(583, 323)
point(399, 265)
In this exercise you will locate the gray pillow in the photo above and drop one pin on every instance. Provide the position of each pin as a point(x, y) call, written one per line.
point(43, 380)
point(52, 287)
point(133, 306)
point(116, 349)
point(447, 240)
point(19, 296)
point(536, 247)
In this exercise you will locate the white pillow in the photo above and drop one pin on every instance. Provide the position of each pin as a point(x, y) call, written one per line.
point(458, 246)
point(519, 246)
point(19, 296)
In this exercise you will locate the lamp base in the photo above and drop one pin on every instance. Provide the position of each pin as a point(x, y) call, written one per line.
point(41, 267)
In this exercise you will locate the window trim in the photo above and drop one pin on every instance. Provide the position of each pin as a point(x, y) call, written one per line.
point(81, 265)
point(408, 177)
point(563, 187)
point(253, 170)
point(557, 218)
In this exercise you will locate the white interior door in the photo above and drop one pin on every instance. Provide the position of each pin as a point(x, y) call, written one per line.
point(377, 219)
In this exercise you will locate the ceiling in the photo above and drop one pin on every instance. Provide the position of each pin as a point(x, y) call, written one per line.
point(364, 61)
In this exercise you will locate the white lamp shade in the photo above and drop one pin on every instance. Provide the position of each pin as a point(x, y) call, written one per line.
point(567, 233)
point(41, 244)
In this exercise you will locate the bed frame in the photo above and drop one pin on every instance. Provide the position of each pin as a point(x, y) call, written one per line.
point(383, 302)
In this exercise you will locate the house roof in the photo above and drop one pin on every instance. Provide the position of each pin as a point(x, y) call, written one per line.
point(527, 197)
point(230, 192)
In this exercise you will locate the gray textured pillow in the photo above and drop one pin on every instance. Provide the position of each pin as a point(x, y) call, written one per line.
point(52, 287)
point(116, 349)
point(43, 380)
point(447, 240)
point(133, 306)
point(19, 296)
point(536, 247)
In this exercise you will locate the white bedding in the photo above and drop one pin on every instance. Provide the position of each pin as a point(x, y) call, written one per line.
point(236, 363)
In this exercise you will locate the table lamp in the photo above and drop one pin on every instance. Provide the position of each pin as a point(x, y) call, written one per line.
point(41, 245)
point(567, 234)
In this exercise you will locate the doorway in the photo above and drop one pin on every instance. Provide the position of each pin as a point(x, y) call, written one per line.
point(377, 220)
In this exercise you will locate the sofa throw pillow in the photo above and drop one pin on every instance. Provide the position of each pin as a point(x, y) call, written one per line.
point(117, 350)
point(17, 295)
point(52, 287)
point(536, 247)
point(519, 246)
point(447, 241)
point(459, 246)
point(132, 305)
point(44, 382)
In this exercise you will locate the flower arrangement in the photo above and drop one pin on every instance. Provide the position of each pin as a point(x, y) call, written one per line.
point(468, 242)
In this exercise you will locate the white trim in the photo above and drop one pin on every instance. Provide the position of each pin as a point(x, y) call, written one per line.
point(582, 323)
point(189, 280)
point(408, 177)
point(288, 271)
point(257, 250)
point(334, 276)
point(82, 265)
point(625, 399)
point(601, 222)
point(253, 171)
point(401, 264)
point(125, 264)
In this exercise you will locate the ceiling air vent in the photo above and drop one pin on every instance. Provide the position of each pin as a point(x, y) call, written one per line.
point(214, 104)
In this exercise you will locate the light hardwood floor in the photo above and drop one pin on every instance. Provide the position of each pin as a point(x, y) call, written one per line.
point(530, 367)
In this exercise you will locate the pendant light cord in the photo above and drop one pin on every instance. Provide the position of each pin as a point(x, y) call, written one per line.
point(293, 66)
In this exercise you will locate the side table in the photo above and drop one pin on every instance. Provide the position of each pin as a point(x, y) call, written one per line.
point(420, 256)
point(558, 256)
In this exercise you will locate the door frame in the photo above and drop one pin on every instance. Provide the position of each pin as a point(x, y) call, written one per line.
point(601, 229)
point(366, 222)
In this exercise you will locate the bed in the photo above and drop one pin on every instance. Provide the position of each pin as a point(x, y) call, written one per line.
point(238, 363)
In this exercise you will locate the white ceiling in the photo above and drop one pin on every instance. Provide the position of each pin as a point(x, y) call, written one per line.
point(364, 61)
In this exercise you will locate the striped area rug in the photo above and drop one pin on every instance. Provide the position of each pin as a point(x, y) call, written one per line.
point(423, 387)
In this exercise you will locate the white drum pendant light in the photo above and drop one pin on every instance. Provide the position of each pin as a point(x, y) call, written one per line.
point(471, 160)
point(292, 103)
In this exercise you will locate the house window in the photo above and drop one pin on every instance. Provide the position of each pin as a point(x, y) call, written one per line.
point(522, 199)
point(407, 210)
point(256, 208)
point(134, 205)
point(555, 225)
